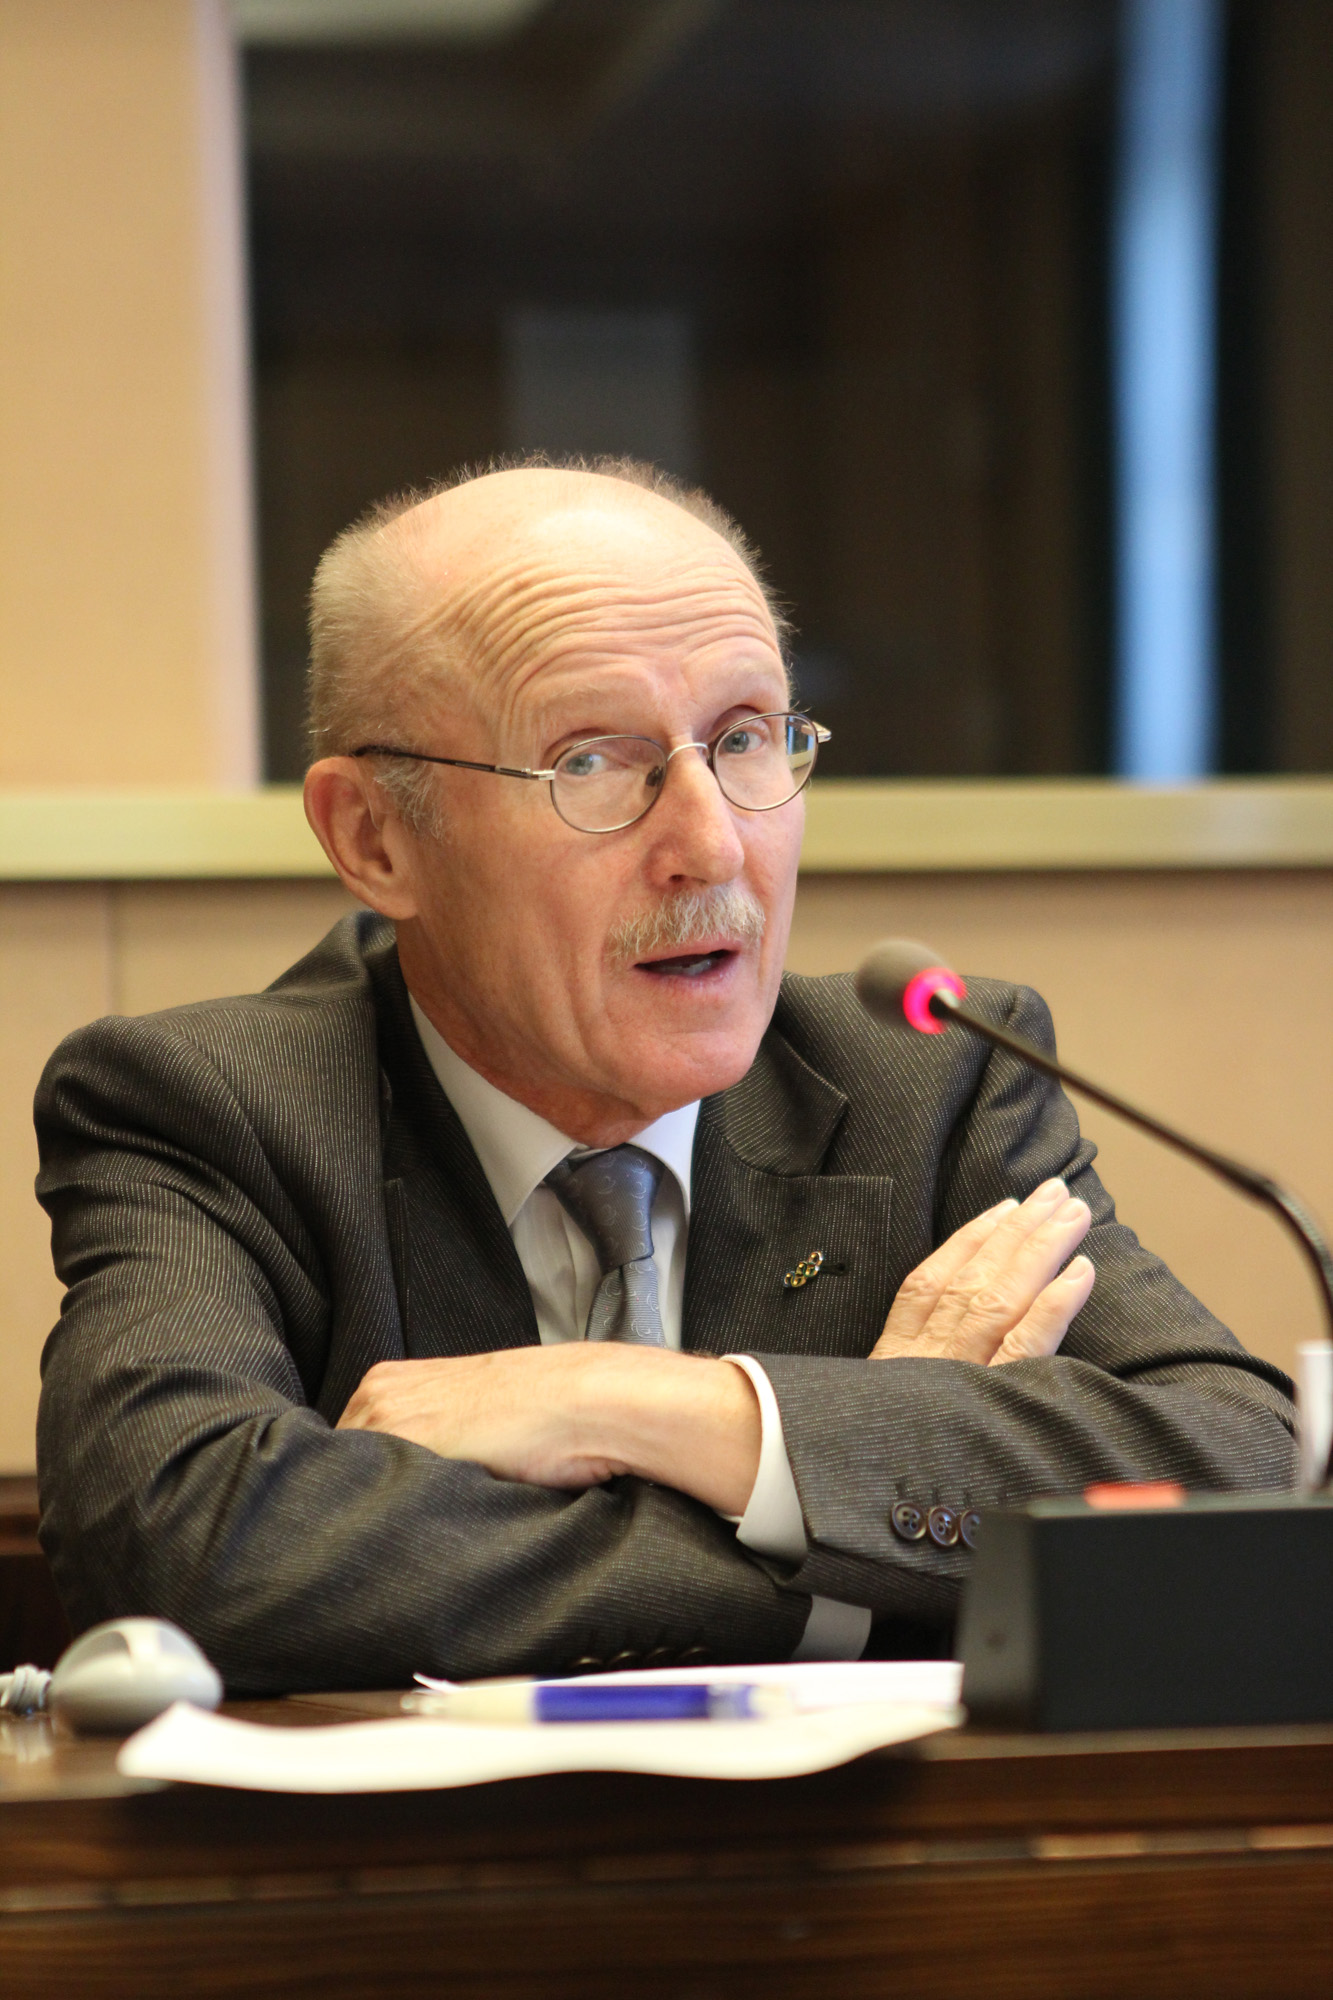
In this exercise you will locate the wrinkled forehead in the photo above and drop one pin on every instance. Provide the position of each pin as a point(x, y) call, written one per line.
point(530, 600)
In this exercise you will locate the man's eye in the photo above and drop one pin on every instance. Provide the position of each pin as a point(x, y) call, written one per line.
point(737, 742)
point(583, 764)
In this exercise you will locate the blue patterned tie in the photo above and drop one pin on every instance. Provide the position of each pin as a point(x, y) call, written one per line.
point(610, 1196)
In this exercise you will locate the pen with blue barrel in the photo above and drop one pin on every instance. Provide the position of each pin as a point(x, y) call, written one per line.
point(591, 1701)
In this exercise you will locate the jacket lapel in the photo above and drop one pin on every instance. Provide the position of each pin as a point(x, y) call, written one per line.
point(761, 1201)
point(461, 1288)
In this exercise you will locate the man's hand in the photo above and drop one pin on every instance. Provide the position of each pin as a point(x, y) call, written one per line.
point(572, 1416)
point(992, 1293)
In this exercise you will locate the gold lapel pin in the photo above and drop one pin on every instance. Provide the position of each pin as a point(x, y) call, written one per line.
point(809, 1267)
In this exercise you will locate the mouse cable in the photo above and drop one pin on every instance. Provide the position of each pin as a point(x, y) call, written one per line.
point(24, 1691)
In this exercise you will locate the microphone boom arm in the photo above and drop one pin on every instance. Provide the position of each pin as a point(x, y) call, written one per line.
point(1291, 1212)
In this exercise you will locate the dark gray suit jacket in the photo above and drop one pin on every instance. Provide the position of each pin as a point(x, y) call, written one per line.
point(254, 1200)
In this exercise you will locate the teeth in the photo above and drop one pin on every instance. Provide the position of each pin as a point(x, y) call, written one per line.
point(686, 964)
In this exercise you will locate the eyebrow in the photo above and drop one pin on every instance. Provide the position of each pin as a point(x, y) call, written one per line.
point(622, 691)
point(593, 732)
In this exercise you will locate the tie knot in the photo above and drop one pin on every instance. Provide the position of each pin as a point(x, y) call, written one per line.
point(610, 1196)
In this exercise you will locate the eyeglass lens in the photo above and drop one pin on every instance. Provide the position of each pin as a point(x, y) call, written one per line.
point(761, 762)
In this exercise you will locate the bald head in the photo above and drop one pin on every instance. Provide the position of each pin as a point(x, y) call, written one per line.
point(512, 628)
point(456, 597)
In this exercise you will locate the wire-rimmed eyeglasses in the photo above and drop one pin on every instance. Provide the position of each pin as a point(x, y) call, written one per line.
point(605, 783)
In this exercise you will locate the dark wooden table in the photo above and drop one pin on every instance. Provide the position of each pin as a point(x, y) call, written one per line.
point(1083, 1868)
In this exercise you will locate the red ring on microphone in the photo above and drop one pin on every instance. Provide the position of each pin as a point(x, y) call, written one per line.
point(921, 990)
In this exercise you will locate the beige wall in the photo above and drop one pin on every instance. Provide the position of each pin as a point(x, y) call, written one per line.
point(123, 421)
point(68, 954)
point(1209, 995)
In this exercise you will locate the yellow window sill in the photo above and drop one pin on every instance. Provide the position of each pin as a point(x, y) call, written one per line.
point(854, 825)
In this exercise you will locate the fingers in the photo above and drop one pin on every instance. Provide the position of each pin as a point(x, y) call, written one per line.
point(988, 1292)
point(921, 1289)
point(1047, 1320)
point(994, 1294)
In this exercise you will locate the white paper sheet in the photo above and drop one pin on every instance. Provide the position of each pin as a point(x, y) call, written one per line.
point(422, 1754)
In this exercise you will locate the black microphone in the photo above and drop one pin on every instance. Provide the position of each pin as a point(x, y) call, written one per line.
point(1136, 1607)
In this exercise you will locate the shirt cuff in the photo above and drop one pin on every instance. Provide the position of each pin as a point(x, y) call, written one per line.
point(772, 1524)
point(834, 1631)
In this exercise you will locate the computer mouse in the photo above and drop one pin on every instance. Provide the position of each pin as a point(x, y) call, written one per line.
point(120, 1675)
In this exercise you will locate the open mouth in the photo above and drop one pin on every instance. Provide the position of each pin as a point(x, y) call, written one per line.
point(689, 964)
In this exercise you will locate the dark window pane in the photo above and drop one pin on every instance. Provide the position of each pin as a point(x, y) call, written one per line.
point(842, 262)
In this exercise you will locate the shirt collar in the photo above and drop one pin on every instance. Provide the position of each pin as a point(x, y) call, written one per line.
point(518, 1147)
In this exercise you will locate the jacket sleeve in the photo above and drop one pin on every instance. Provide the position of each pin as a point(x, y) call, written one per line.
point(1147, 1385)
point(186, 1471)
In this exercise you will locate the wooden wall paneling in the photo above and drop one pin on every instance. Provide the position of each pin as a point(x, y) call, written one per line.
point(760, 455)
point(1035, 528)
point(947, 447)
point(176, 942)
point(55, 974)
point(904, 427)
point(67, 955)
point(338, 430)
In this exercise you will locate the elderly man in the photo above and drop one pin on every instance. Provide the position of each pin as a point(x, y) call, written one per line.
point(434, 1309)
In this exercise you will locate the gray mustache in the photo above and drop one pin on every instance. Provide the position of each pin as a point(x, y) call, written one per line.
point(694, 917)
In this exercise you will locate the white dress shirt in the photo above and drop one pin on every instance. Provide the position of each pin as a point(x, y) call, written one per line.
point(517, 1149)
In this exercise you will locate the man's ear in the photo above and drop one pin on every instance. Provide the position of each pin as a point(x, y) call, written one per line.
point(364, 838)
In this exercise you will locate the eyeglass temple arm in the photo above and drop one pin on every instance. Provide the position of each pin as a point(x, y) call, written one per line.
point(457, 763)
point(822, 735)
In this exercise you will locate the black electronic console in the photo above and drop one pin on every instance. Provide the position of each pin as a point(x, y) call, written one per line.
point(1216, 1610)
point(1137, 1607)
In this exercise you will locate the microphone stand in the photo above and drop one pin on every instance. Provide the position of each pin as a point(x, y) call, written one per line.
point(1270, 1194)
point(1138, 1606)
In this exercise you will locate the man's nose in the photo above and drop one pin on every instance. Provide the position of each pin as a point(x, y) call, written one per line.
point(694, 825)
